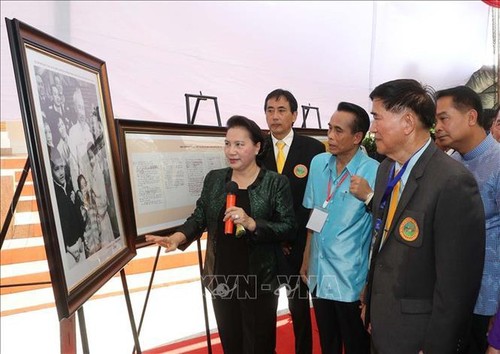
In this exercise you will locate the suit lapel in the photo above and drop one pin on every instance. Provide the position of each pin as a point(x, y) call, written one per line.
point(270, 159)
point(412, 183)
point(382, 180)
point(293, 153)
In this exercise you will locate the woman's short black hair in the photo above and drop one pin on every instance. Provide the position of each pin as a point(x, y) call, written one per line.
point(253, 129)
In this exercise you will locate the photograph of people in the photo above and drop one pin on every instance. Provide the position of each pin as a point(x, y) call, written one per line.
point(71, 220)
point(73, 133)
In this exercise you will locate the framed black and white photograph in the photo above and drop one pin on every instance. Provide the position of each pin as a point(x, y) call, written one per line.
point(81, 192)
point(166, 164)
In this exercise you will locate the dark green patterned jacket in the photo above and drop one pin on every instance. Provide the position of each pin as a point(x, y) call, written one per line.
point(272, 209)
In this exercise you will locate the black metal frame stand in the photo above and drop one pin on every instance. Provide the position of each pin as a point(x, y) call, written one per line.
point(15, 199)
point(200, 97)
point(148, 292)
point(305, 113)
point(190, 120)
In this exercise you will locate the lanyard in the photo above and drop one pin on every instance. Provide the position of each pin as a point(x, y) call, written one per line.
point(331, 193)
point(388, 190)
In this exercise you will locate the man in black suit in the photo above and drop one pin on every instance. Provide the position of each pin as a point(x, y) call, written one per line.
point(427, 262)
point(295, 156)
point(72, 225)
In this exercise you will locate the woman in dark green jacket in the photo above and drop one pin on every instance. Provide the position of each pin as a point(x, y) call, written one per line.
point(241, 270)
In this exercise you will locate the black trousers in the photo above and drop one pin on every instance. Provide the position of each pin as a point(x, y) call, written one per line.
point(478, 339)
point(340, 325)
point(247, 325)
point(300, 310)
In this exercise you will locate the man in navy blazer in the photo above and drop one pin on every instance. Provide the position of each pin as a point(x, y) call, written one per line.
point(426, 265)
point(281, 112)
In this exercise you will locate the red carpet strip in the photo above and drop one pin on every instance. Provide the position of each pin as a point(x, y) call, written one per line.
point(284, 341)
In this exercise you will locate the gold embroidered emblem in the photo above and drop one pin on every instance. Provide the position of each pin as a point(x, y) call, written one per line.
point(408, 229)
point(300, 171)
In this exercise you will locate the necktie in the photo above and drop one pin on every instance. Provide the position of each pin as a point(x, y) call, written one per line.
point(391, 211)
point(280, 159)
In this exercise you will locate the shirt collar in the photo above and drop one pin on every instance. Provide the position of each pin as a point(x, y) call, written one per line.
point(61, 185)
point(485, 145)
point(351, 167)
point(287, 139)
point(412, 162)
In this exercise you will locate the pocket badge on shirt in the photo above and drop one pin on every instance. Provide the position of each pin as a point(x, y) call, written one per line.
point(300, 171)
point(408, 229)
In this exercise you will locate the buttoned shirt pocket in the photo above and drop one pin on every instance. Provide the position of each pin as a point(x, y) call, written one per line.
point(352, 209)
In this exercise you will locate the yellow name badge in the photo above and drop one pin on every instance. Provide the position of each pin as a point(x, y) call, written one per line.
point(408, 229)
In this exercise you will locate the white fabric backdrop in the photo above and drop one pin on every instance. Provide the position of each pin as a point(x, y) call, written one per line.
point(324, 52)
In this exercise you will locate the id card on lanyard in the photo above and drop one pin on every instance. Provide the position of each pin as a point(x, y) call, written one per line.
point(319, 214)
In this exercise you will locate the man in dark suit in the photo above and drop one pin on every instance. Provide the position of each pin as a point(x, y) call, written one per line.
point(72, 225)
point(295, 157)
point(426, 264)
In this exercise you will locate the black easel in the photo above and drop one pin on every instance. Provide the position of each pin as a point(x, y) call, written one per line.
point(190, 120)
point(305, 113)
point(200, 97)
point(135, 333)
point(148, 292)
point(15, 199)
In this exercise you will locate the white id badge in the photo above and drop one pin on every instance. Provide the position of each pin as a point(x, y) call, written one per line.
point(317, 219)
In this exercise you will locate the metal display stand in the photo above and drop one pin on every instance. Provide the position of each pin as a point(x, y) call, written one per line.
point(305, 113)
point(15, 199)
point(148, 292)
point(191, 120)
point(200, 97)
point(191, 117)
point(67, 327)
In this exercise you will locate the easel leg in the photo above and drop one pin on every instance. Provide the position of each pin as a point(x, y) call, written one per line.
point(83, 331)
point(148, 292)
point(67, 327)
point(205, 309)
point(130, 312)
point(15, 199)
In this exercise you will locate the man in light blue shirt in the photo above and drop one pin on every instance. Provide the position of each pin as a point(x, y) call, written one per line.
point(336, 256)
point(460, 125)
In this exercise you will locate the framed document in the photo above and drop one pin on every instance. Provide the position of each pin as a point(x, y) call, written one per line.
point(166, 164)
point(82, 194)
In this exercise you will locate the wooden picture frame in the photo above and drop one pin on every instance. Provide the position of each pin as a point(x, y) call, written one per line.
point(82, 194)
point(173, 160)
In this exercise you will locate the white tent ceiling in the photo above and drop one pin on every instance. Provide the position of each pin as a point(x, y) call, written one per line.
point(324, 52)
